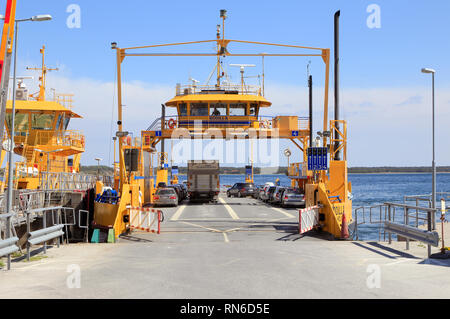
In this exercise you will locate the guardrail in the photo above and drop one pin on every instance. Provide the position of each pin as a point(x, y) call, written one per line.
point(46, 233)
point(8, 244)
point(404, 223)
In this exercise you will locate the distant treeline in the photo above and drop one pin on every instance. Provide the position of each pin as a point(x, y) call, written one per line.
point(106, 170)
point(389, 169)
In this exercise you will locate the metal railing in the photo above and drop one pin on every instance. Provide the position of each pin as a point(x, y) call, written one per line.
point(66, 181)
point(53, 231)
point(205, 89)
point(226, 121)
point(393, 213)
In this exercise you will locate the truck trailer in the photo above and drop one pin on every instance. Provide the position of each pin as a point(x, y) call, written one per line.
point(203, 180)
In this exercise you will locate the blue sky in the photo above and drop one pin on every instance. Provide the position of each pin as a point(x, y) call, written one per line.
point(379, 67)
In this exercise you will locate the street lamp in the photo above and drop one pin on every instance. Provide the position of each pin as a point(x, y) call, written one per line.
point(433, 202)
point(43, 17)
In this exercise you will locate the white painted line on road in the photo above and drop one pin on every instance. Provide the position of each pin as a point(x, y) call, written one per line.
point(398, 262)
point(195, 225)
point(229, 209)
point(225, 237)
point(178, 213)
point(283, 212)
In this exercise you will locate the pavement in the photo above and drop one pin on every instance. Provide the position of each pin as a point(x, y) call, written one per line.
point(236, 248)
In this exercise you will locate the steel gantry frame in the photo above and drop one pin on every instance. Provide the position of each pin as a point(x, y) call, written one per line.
point(222, 45)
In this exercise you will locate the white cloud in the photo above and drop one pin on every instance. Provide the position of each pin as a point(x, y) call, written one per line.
point(386, 126)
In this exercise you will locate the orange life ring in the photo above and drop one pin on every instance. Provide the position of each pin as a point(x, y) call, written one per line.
point(264, 124)
point(172, 123)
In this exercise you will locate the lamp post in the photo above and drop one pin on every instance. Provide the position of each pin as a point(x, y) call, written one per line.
point(433, 201)
point(44, 17)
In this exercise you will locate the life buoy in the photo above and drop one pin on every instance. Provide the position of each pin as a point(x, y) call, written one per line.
point(172, 123)
point(264, 124)
point(127, 140)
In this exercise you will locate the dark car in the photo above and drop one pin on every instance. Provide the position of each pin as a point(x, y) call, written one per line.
point(184, 189)
point(293, 197)
point(242, 190)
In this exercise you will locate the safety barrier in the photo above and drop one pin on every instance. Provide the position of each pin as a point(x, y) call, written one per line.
point(308, 218)
point(427, 237)
point(8, 246)
point(46, 233)
point(146, 219)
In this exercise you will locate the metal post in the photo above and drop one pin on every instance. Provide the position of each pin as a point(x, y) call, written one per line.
point(310, 84)
point(337, 155)
point(44, 224)
point(389, 218)
point(407, 223)
point(429, 229)
point(434, 163)
point(28, 233)
point(11, 149)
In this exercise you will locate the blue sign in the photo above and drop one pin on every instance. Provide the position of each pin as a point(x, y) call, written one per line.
point(294, 133)
point(158, 133)
point(317, 158)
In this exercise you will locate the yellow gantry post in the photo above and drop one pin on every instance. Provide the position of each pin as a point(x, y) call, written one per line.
point(119, 115)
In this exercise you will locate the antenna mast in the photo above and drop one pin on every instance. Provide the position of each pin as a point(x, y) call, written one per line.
point(42, 78)
point(220, 49)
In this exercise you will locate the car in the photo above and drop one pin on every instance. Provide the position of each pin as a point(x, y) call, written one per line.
point(161, 185)
point(165, 197)
point(263, 195)
point(242, 190)
point(184, 189)
point(179, 190)
point(276, 197)
point(293, 197)
point(269, 193)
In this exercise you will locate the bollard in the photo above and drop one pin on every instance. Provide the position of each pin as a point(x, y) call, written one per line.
point(95, 236)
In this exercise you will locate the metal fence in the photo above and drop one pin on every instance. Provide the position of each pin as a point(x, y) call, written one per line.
point(402, 219)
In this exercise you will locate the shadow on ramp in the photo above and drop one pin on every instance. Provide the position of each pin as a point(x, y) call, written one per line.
point(400, 254)
point(134, 238)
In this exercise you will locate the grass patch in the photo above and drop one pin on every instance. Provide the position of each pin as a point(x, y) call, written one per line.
point(2, 264)
point(17, 254)
point(36, 258)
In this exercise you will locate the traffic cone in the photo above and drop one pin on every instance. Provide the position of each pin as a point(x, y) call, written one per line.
point(344, 227)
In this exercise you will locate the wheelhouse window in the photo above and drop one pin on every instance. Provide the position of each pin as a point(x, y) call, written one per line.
point(20, 123)
point(66, 122)
point(253, 109)
point(218, 109)
point(42, 121)
point(199, 109)
point(238, 109)
point(59, 121)
point(182, 109)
